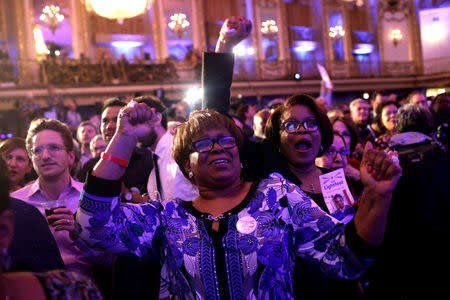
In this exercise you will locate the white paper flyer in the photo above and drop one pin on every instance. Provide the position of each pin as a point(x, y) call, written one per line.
point(337, 195)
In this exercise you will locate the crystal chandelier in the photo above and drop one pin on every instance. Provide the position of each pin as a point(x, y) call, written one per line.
point(51, 17)
point(178, 23)
point(269, 27)
point(336, 32)
point(118, 9)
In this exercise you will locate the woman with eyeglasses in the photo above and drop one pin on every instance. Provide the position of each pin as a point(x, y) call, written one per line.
point(237, 239)
point(302, 134)
point(336, 156)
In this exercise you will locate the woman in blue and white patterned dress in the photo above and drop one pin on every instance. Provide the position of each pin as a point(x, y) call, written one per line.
point(237, 240)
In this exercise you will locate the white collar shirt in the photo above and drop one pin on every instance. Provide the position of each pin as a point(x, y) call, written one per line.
point(173, 182)
point(74, 253)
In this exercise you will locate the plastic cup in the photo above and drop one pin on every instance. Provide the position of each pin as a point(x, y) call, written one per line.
point(51, 205)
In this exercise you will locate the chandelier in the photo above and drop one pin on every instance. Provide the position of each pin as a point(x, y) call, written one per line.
point(118, 9)
point(336, 32)
point(178, 23)
point(51, 17)
point(269, 27)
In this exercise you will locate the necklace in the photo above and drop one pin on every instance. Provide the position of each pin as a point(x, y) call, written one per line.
point(216, 218)
point(311, 183)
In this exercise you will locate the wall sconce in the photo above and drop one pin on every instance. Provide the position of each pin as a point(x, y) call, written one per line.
point(336, 32)
point(396, 36)
point(178, 23)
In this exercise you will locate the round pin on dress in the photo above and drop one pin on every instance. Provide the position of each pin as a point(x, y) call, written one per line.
point(246, 224)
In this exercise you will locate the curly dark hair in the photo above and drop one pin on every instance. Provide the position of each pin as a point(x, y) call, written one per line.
point(38, 125)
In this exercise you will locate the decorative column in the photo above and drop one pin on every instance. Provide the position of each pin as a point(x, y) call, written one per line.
point(347, 38)
point(328, 47)
point(283, 40)
point(159, 29)
point(80, 29)
point(198, 25)
point(256, 32)
point(416, 40)
point(19, 18)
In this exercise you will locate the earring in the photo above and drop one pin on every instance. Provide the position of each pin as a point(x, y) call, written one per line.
point(321, 148)
point(241, 166)
point(191, 174)
point(5, 259)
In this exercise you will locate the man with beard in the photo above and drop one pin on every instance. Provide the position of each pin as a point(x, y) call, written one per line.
point(166, 177)
point(140, 165)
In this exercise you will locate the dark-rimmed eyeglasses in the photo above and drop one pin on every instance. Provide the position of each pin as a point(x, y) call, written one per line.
point(205, 145)
point(296, 126)
point(333, 153)
point(51, 148)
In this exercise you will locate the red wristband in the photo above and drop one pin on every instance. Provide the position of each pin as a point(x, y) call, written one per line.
point(114, 159)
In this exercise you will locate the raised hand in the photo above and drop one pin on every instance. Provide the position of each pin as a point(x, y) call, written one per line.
point(380, 172)
point(136, 120)
point(233, 31)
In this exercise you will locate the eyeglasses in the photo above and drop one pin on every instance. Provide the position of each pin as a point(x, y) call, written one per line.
point(333, 152)
point(205, 145)
point(100, 148)
point(51, 148)
point(296, 126)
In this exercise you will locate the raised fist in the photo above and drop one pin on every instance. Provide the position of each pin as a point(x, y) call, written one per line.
point(136, 120)
point(233, 31)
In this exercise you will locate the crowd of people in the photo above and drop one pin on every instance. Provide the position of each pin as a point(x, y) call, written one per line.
point(231, 202)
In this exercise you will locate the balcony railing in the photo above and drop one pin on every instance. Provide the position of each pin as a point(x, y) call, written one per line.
point(77, 73)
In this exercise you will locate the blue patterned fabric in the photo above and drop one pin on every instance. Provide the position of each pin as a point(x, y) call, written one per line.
point(259, 264)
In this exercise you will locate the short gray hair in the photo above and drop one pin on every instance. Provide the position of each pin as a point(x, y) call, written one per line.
point(412, 117)
point(356, 101)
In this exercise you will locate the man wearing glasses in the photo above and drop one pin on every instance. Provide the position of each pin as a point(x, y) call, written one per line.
point(50, 146)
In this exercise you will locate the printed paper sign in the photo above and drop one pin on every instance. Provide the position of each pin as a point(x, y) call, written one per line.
point(324, 74)
point(337, 195)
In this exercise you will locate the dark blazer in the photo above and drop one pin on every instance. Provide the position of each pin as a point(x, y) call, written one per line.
point(33, 247)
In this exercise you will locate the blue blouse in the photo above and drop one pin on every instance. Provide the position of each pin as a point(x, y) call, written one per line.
point(255, 259)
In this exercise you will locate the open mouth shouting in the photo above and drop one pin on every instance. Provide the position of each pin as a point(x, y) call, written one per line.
point(303, 146)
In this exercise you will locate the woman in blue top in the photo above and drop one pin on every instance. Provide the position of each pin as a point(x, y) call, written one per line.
point(238, 239)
